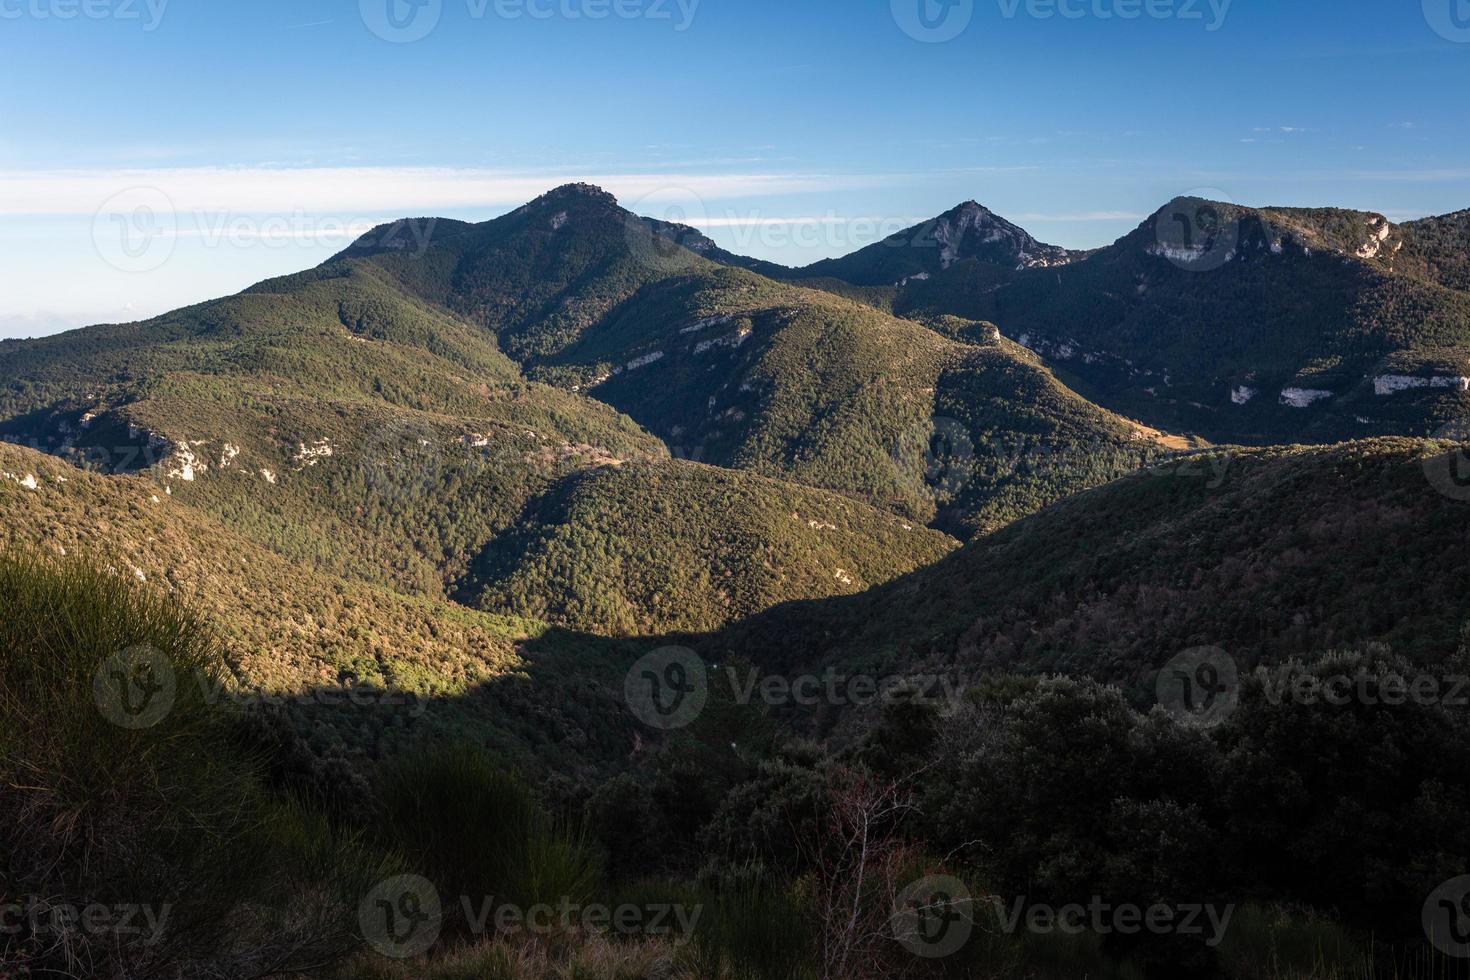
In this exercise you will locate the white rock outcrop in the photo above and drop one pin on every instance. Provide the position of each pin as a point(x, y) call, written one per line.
point(709, 321)
point(645, 360)
point(185, 465)
point(733, 340)
point(1375, 241)
point(1182, 254)
point(314, 453)
point(1387, 384)
point(1302, 397)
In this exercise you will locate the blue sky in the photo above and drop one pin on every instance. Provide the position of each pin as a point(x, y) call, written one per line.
point(224, 142)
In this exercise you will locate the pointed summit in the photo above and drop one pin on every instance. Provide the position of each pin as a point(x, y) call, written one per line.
point(973, 231)
point(966, 232)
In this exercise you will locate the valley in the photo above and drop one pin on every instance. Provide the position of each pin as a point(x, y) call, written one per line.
point(438, 501)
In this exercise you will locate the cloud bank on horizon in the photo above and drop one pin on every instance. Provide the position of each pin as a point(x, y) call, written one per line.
point(783, 131)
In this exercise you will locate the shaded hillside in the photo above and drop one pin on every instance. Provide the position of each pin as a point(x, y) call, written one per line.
point(284, 627)
point(1266, 553)
point(297, 643)
point(733, 369)
point(1254, 325)
point(542, 274)
point(968, 233)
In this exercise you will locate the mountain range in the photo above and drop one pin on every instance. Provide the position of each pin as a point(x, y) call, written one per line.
point(606, 422)
point(448, 492)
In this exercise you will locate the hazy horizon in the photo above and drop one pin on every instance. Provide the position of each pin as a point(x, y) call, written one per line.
point(800, 134)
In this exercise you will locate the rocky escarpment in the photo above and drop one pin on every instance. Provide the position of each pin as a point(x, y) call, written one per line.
point(972, 231)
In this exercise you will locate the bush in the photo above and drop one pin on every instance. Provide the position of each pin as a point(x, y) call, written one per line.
point(475, 830)
point(160, 820)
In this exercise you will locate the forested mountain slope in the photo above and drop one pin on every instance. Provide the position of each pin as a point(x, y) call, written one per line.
point(363, 431)
point(657, 546)
point(1267, 554)
point(733, 368)
point(1248, 325)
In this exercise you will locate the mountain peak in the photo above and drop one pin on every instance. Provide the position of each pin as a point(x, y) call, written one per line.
point(970, 207)
point(590, 192)
point(967, 231)
point(971, 230)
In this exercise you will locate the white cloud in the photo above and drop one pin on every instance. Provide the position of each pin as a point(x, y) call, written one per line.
point(1082, 216)
point(745, 221)
point(322, 230)
point(401, 190)
point(46, 322)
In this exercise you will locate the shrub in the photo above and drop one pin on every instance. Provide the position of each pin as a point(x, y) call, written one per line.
point(474, 829)
point(163, 816)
